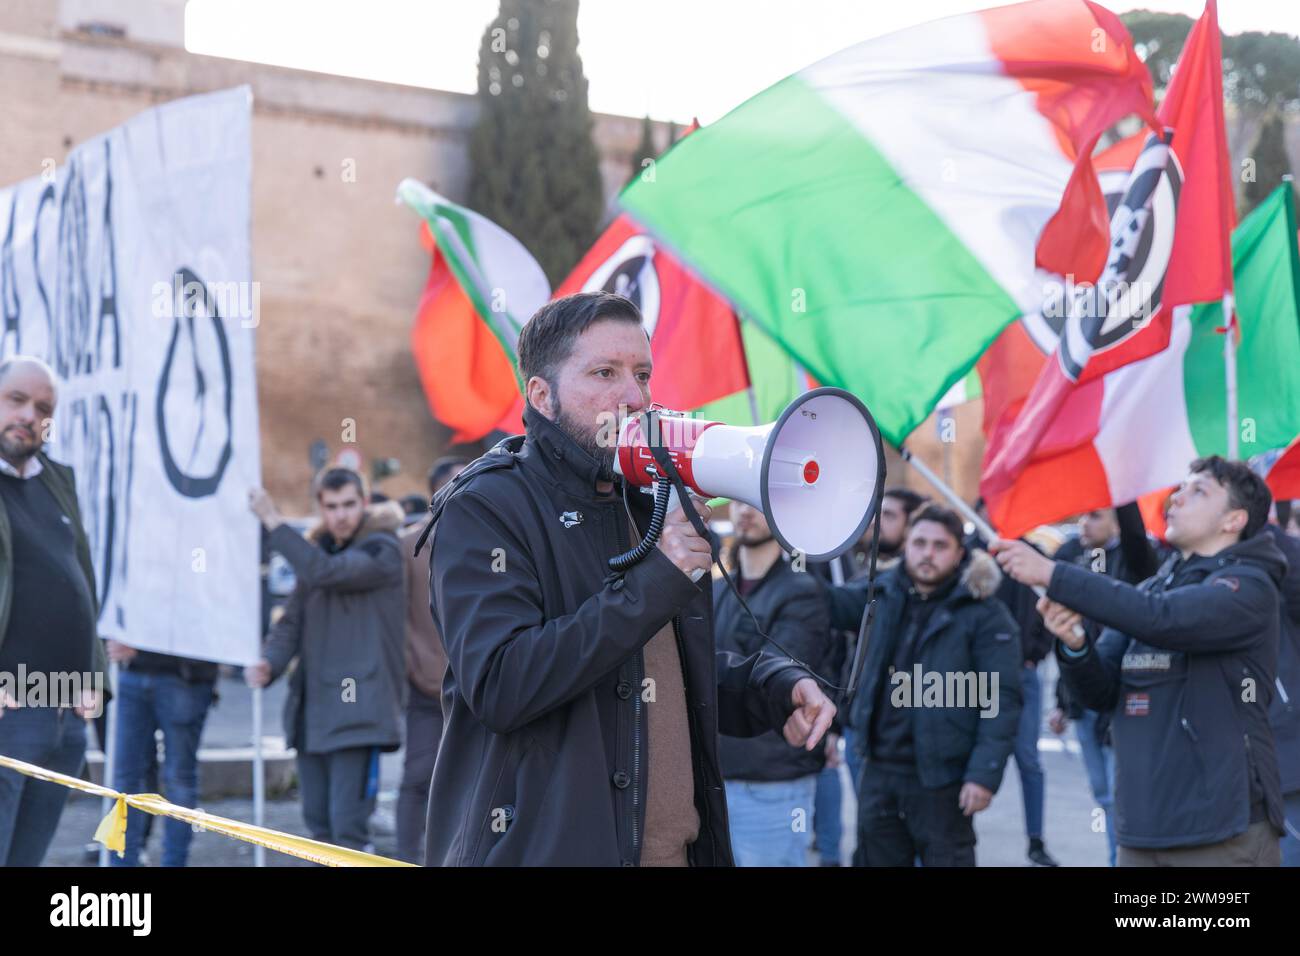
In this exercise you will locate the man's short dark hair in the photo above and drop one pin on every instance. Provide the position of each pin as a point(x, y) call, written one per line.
point(442, 468)
point(909, 499)
point(546, 339)
point(1246, 490)
point(332, 479)
point(414, 504)
point(941, 515)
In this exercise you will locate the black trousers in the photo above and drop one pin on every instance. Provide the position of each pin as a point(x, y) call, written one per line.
point(337, 799)
point(423, 734)
point(899, 820)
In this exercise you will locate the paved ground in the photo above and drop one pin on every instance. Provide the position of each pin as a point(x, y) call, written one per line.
point(1069, 814)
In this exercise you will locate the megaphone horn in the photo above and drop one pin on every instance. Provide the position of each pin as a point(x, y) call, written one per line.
point(816, 473)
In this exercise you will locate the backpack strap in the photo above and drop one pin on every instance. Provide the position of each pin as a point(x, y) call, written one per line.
point(504, 454)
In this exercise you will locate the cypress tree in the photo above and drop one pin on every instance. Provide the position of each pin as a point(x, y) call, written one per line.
point(1271, 162)
point(645, 149)
point(534, 168)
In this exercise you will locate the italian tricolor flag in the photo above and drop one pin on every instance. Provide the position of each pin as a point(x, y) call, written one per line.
point(883, 213)
point(483, 286)
point(1148, 420)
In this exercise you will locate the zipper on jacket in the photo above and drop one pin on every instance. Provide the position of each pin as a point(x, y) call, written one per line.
point(639, 681)
point(1188, 727)
point(622, 535)
point(691, 722)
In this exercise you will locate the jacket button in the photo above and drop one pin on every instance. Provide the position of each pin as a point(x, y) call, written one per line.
point(621, 779)
point(628, 863)
point(624, 689)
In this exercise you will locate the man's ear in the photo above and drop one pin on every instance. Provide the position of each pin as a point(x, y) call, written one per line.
point(1235, 521)
point(538, 393)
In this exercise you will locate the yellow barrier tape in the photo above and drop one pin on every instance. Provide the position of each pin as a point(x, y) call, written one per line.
point(112, 829)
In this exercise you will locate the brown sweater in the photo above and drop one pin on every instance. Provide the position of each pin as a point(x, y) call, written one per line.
point(426, 660)
point(671, 820)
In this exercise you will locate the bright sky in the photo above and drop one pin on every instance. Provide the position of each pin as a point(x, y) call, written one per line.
point(673, 59)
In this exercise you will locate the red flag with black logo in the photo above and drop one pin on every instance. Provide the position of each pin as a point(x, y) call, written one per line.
point(1165, 260)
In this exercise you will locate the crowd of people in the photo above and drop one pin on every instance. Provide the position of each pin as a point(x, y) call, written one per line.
point(555, 710)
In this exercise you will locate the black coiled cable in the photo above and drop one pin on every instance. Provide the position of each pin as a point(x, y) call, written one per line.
point(621, 562)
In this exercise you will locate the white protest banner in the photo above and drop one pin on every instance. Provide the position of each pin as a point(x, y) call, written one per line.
point(128, 270)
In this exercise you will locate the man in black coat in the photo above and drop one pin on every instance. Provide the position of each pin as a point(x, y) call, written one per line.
point(936, 714)
point(771, 785)
point(1110, 541)
point(583, 707)
point(1186, 666)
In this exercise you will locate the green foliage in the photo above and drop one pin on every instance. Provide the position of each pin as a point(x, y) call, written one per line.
point(534, 168)
point(1271, 163)
point(1260, 70)
point(645, 150)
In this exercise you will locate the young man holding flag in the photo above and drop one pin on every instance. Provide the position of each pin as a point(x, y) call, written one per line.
point(1186, 666)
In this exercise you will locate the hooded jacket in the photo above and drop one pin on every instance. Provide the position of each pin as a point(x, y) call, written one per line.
point(345, 622)
point(1186, 668)
point(543, 760)
point(970, 632)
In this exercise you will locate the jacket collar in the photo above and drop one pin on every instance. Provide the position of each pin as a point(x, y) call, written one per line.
point(1258, 550)
point(571, 465)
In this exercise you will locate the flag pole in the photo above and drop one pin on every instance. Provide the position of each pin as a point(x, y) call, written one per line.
point(966, 511)
point(1230, 376)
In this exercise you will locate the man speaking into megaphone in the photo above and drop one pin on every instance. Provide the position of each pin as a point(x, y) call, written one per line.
point(583, 705)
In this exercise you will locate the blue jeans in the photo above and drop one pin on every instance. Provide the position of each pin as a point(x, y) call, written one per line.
point(1099, 760)
point(147, 703)
point(769, 820)
point(1031, 768)
point(851, 759)
point(53, 738)
point(1291, 841)
point(829, 804)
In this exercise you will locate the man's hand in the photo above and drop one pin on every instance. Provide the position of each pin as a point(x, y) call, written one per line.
point(682, 544)
point(90, 706)
point(117, 651)
point(262, 505)
point(1023, 563)
point(1064, 623)
point(259, 674)
point(973, 798)
point(1057, 721)
point(833, 757)
point(812, 715)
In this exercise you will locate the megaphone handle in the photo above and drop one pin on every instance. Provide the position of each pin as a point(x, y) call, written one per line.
point(674, 501)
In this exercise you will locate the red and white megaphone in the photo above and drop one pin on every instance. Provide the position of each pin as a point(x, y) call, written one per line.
point(816, 473)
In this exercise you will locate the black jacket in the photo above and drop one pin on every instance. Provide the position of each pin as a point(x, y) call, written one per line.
point(1022, 603)
point(543, 756)
point(791, 608)
point(1132, 558)
point(1179, 654)
point(970, 632)
point(1284, 713)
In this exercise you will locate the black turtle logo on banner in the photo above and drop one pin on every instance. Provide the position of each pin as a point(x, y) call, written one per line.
point(1143, 207)
point(630, 272)
point(194, 409)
